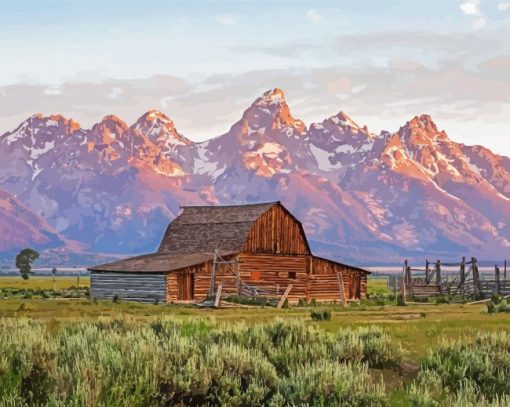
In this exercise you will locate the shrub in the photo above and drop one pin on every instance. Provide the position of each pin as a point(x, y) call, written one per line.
point(321, 315)
point(500, 305)
point(174, 362)
point(496, 299)
point(442, 300)
point(465, 373)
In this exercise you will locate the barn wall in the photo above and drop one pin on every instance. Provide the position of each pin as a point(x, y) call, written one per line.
point(200, 281)
point(324, 281)
point(276, 232)
point(315, 278)
point(273, 272)
point(143, 287)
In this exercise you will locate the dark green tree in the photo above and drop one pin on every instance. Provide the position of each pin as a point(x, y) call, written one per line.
point(24, 261)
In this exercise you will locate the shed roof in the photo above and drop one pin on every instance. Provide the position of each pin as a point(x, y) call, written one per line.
point(158, 262)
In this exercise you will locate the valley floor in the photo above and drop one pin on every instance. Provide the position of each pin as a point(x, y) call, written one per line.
point(417, 328)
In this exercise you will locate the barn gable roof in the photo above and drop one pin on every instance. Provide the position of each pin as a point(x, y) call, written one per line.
point(193, 236)
point(206, 228)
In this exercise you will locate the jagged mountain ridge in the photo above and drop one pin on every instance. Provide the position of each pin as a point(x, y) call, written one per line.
point(362, 196)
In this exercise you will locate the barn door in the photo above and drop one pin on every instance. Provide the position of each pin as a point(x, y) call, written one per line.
point(185, 286)
point(356, 287)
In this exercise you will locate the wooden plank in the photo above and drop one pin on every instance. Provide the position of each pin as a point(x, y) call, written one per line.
point(217, 300)
point(213, 274)
point(341, 288)
point(284, 296)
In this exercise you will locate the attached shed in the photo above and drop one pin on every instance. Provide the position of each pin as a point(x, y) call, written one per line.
point(260, 248)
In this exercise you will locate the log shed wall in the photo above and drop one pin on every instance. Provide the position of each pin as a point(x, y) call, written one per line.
point(142, 287)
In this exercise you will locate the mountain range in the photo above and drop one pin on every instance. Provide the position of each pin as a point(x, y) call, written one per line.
point(363, 197)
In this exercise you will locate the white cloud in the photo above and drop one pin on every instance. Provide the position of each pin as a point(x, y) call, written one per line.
point(52, 91)
point(471, 8)
point(115, 93)
point(165, 101)
point(479, 23)
point(504, 6)
point(314, 16)
point(227, 20)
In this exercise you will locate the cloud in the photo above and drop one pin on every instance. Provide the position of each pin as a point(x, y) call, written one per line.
point(465, 88)
point(115, 93)
point(314, 16)
point(479, 23)
point(227, 20)
point(504, 6)
point(471, 8)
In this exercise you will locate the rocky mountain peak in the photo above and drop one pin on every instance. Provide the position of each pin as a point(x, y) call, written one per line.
point(271, 111)
point(109, 129)
point(160, 129)
point(155, 116)
point(421, 130)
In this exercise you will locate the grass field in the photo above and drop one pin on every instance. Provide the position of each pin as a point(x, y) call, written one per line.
point(417, 328)
point(44, 282)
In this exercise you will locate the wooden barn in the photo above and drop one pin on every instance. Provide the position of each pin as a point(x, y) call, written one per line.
point(256, 250)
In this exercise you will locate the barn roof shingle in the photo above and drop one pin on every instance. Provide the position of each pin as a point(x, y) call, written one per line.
point(192, 237)
point(205, 228)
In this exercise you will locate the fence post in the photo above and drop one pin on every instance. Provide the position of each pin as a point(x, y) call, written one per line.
point(462, 275)
point(427, 272)
point(438, 276)
point(476, 277)
point(496, 275)
point(504, 272)
point(403, 287)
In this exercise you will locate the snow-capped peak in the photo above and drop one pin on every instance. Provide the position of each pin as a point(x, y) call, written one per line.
point(422, 127)
point(272, 97)
point(270, 111)
point(160, 129)
point(343, 120)
point(155, 115)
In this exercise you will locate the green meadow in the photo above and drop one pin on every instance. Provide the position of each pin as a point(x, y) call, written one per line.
point(70, 350)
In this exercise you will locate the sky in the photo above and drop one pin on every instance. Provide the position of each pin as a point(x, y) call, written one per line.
point(203, 63)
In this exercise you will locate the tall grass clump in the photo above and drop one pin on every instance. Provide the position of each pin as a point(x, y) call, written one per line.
point(465, 373)
point(119, 362)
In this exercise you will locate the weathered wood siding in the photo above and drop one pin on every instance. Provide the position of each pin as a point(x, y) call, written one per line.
point(311, 278)
point(276, 232)
point(143, 287)
point(314, 278)
point(324, 281)
point(272, 272)
point(177, 284)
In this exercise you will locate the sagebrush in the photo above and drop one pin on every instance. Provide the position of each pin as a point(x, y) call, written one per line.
point(119, 362)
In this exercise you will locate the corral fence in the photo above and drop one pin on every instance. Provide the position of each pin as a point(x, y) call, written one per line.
point(453, 279)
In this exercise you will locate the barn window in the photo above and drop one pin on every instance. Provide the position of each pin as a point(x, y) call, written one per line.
point(255, 275)
point(292, 275)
